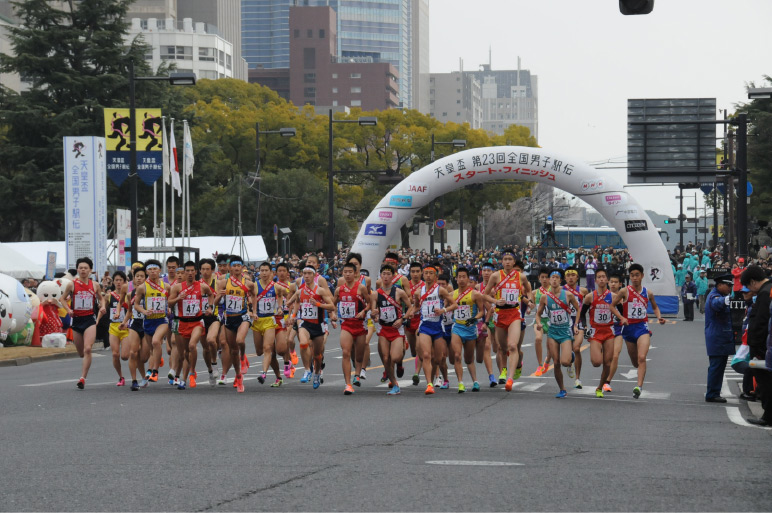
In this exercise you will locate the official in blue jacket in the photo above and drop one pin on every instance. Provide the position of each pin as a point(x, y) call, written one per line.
point(719, 340)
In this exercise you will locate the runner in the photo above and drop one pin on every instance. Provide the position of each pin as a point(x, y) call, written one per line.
point(431, 343)
point(223, 271)
point(487, 343)
point(174, 274)
point(447, 328)
point(85, 293)
point(635, 321)
point(308, 307)
point(190, 299)
point(116, 308)
point(386, 305)
point(351, 298)
point(600, 333)
point(356, 259)
point(411, 328)
point(544, 281)
point(572, 279)
point(556, 301)
point(401, 282)
point(526, 303)
point(134, 321)
point(237, 319)
point(508, 285)
point(312, 260)
point(615, 284)
point(212, 321)
point(282, 321)
point(151, 302)
point(269, 293)
point(469, 312)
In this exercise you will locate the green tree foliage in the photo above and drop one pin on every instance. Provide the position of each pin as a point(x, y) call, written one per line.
point(760, 154)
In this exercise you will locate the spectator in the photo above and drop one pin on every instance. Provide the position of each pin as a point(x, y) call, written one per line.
point(589, 268)
point(740, 362)
point(719, 338)
point(688, 296)
point(757, 282)
point(702, 289)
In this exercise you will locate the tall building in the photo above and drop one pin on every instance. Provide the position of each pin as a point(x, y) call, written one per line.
point(159, 9)
point(456, 97)
point(393, 31)
point(226, 16)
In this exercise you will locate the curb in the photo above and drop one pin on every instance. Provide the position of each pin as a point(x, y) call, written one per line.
point(26, 360)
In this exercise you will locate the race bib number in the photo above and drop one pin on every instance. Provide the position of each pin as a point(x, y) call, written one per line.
point(388, 314)
point(266, 305)
point(190, 307)
point(136, 315)
point(309, 311)
point(348, 309)
point(427, 308)
point(117, 314)
point(558, 317)
point(84, 301)
point(573, 310)
point(463, 313)
point(447, 318)
point(511, 296)
point(637, 310)
point(156, 305)
point(602, 316)
point(234, 304)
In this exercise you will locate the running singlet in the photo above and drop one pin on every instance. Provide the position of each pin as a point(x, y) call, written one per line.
point(635, 307)
point(389, 307)
point(579, 297)
point(205, 297)
point(558, 315)
point(351, 303)
point(600, 309)
point(115, 308)
point(83, 298)
point(309, 312)
point(508, 289)
point(467, 307)
point(429, 301)
point(155, 300)
point(266, 300)
point(188, 308)
point(539, 293)
point(235, 298)
point(134, 313)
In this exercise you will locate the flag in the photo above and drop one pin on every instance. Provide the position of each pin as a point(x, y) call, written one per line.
point(165, 144)
point(187, 151)
point(174, 167)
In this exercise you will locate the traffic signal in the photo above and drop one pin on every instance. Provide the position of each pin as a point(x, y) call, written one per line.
point(628, 7)
point(670, 221)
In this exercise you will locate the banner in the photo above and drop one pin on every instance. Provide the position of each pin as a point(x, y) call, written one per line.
point(50, 265)
point(85, 201)
point(123, 238)
point(149, 144)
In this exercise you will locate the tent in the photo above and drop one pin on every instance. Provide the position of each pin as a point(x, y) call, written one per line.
point(15, 264)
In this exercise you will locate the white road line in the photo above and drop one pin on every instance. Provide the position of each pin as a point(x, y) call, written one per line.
point(401, 383)
point(736, 417)
point(476, 463)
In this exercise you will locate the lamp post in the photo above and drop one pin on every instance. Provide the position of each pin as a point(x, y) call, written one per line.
point(173, 79)
point(362, 121)
point(284, 132)
point(455, 143)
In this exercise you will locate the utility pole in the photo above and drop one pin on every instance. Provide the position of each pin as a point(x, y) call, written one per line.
point(730, 194)
point(742, 185)
point(681, 218)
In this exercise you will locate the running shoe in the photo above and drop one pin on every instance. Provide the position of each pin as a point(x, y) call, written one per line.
point(277, 383)
point(162, 363)
point(461, 388)
point(475, 387)
point(171, 382)
point(571, 371)
point(212, 379)
point(121, 383)
point(400, 371)
point(429, 389)
point(503, 376)
point(244, 365)
point(492, 378)
point(260, 378)
point(134, 385)
point(561, 395)
point(348, 390)
point(181, 385)
point(578, 384)
point(221, 381)
point(539, 370)
point(317, 381)
point(384, 377)
point(321, 376)
point(154, 377)
point(445, 385)
point(294, 357)
point(306, 376)
point(391, 385)
point(192, 380)
point(509, 385)
point(148, 374)
point(362, 375)
point(240, 384)
point(518, 372)
point(236, 385)
point(175, 382)
point(599, 393)
point(171, 374)
point(416, 379)
point(292, 371)
point(394, 391)
point(606, 387)
point(143, 383)
point(81, 383)
point(637, 392)
point(356, 381)
point(287, 368)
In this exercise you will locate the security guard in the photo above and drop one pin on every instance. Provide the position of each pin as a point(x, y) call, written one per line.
point(719, 339)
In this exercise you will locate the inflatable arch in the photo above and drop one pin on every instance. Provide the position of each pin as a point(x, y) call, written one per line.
point(481, 165)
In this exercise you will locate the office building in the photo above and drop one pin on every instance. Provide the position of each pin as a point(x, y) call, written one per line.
point(277, 79)
point(158, 9)
point(456, 97)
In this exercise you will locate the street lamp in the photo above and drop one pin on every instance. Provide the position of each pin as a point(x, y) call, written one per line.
point(455, 143)
point(759, 93)
point(362, 121)
point(283, 132)
point(173, 79)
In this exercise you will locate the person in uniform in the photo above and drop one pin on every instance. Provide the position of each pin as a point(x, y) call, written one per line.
point(719, 340)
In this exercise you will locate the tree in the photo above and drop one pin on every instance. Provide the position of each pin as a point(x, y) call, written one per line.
point(760, 153)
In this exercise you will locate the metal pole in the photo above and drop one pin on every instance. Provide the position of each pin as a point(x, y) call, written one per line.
point(715, 216)
point(696, 218)
point(163, 187)
point(742, 184)
point(732, 203)
point(681, 219)
point(461, 225)
point(155, 214)
point(258, 221)
point(330, 208)
point(133, 167)
point(431, 212)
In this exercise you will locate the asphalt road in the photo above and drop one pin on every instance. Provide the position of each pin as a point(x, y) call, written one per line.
point(295, 448)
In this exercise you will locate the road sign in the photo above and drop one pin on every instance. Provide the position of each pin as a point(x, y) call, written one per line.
point(439, 223)
point(682, 231)
point(702, 230)
point(691, 219)
point(276, 232)
point(706, 188)
point(722, 189)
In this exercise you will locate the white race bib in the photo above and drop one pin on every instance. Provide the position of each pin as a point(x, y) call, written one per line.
point(558, 317)
point(636, 310)
point(190, 307)
point(156, 305)
point(427, 308)
point(602, 316)
point(511, 296)
point(234, 304)
point(309, 311)
point(84, 301)
point(347, 309)
point(388, 314)
point(266, 305)
point(463, 312)
point(117, 314)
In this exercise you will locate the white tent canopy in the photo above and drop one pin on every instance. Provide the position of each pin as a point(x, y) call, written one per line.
point(36, 252)
point(13, 262)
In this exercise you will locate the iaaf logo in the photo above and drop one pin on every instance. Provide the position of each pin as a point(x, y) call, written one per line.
point(417, 188)
point(386, 216)
point(592, 185)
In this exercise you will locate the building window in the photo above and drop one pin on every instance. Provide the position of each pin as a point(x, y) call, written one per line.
point(297, 33)
point(177, 52)
point(356, 75)
point(335, 103)
point(221, 56)
point(334, 90)
point(228, 61)
point(309, 78)
point(205, 73)
point(458, 101)
point(321, 33)
point(207, 54)
point(444, 114)
point(309, 58)
point(310, 33)
point(458, 90)
point(458, 114)
point(334, 75)
point(356, 103)
point(309, 92)
point(356, 89)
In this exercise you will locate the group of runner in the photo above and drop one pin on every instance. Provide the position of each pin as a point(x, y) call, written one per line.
point(215, 304)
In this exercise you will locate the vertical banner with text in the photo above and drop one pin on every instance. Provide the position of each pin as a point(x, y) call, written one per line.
point(149, 144)
point(123, 237)
point(85, 200)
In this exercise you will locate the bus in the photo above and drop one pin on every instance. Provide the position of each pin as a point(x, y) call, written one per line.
point(586, 237)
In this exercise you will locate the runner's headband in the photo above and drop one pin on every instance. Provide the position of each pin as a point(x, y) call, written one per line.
point(508, 253)
point(489, 266)
point(429, 267)
point(309, 268)
point(569, 273)
point(152, 266)
point(555, 273)
point(236, 262)
point(390, 260)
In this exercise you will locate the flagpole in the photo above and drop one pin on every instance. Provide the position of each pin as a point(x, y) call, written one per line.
point(187, 175)
point(155, 214)
point(172, 188)
point(163, 178)
point(182, 200)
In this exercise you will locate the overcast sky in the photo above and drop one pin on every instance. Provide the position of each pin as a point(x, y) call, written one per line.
point(590, 59)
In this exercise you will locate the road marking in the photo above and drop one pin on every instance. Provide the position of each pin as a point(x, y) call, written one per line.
point(476, 463)
point(66, 381)
point(633, 373)
point(402, 383)
point(736, 417)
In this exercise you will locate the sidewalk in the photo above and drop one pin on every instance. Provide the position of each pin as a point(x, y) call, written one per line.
point(24, 355)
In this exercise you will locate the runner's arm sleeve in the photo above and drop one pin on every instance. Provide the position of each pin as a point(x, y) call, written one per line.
point(583, 314)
